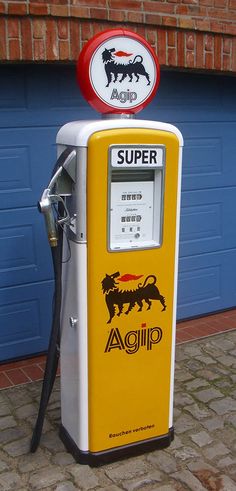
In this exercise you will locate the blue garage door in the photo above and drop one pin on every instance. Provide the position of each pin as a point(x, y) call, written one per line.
point(34, 103)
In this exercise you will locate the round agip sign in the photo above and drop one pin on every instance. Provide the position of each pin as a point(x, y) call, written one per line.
point(118, 72)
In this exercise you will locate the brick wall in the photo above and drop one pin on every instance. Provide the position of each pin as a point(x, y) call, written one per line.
point(196, 34)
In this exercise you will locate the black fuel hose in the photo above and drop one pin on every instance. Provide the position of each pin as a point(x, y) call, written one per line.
point(53, 349)
point(54, 342)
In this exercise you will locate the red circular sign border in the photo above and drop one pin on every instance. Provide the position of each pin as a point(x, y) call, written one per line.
point(83, 66)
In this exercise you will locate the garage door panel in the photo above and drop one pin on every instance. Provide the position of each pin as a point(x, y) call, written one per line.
point(208, 222)
point(27, 157)
point(207, 283)
point(25, 320)
point(208, 155)
point(24, 255)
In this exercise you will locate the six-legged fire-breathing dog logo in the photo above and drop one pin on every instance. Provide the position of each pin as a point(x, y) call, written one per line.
point(146, 291)
point(135, 67)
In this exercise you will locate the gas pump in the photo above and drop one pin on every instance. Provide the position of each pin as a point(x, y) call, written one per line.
point(116, 187)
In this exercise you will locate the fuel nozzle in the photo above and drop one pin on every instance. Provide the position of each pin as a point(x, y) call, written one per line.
point(45, 207)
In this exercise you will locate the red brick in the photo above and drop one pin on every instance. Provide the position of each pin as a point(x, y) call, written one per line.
point(86, 31)
point(39, 28)
point(17, 9)
point(227, 42)
point(125, 4)
point(64, 50)
point(190, 59)
point(4, 381)
point(208, 42)
point(117, 15)
point(34, 372)
point(38, 9)
point(218, 53)
point(39, 50)
point(171, 57)
point(14, 49)
point(233, 59)
point(226, 62)
point(202, 25)
point(154, 19)
point(186, 23)
point(171, 38)
point(3, 7)
point(169, 21)
point(99, 13)
point(190, 41)
point(77, 11)
point(151, 37)
point(51, 40)
point(17, 377)
point(159, 7)
point(3, 46)
point(59, 10)
point(180, 49)
point(63, 28)
point(75, 44)
point(26, 39)
point(13, 27)
point(161, 46)
point(208, 61)
point(232, 4)
point(207, 3)
point(199, 50)
point(220, 3)
point(137, 17)
point(181, 9)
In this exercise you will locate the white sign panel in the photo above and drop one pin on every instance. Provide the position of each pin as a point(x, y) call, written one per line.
point(148, 156)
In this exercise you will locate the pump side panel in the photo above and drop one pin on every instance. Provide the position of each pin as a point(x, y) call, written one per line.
point(129, 392)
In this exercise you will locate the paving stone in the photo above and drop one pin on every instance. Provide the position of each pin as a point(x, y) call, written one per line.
point(66, 486)
point(26, 410)
point(223, 406)
point(213, 423)
point(184, 423)
point(227, 484)
point(186, 453)
point(201, 439)
point(182, 399)
point(4, 409)
point(183, 376)
point(7, 422)
point(196, 384)
point(216, 450)
point(223, 343)
point(142, 482)
point(189, 479)
point(52, 442)
point(3, 465)
point(33, 461)
point(127, 469)
point(46, 477)
point(84, 476)
point(227, 462)
point(18, 447)
point(10, 480)
point(208, 374)
point(207, 360)
point(163, 461)
point(207, 395)
point(111, 487)
point(11, 434)
point(193, 364)
point(227, 360)
point(198, 412)
point(63, 458)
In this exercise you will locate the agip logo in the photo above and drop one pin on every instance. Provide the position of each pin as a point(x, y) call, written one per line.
point(121, 301)
point(121, 77)
point(118, 71)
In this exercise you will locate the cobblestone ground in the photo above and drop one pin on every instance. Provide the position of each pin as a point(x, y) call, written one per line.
point(202, 456)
